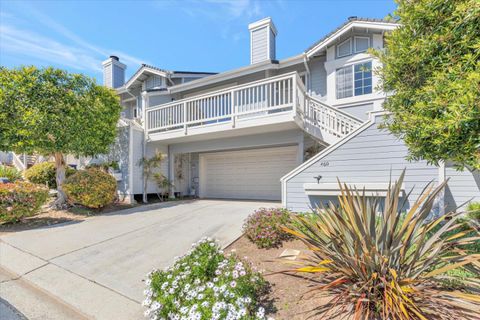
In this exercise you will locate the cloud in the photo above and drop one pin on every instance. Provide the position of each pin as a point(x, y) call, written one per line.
point(218, 10)
point(68, 50)
point(34, 45)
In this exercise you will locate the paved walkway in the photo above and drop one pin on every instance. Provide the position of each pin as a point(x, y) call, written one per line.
point(97, 266)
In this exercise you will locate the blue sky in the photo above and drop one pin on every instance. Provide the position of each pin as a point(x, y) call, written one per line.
point(209, 35)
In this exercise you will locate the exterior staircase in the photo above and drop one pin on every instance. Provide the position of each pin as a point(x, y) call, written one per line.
point(24, 161)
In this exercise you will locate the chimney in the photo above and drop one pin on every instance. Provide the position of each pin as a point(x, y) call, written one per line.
point(262, 40)
point(113, 72)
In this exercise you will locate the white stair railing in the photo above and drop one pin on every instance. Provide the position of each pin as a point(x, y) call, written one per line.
point(18, 161)
point(332, 120)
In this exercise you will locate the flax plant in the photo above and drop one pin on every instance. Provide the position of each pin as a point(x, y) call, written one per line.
point(374, 263)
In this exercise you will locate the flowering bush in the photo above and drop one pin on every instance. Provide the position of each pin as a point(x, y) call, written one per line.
point(45, 173)
point(91, 188)
point(204, 284)
point(20, 199)
point(264, 227)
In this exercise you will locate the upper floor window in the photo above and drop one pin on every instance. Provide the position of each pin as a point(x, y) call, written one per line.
point(354, 80)
point(361, 44)
point(356, 44)
point(344, 48)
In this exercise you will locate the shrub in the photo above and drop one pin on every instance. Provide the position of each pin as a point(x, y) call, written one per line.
point(390, 268)
point(473, 210)
point(44, 173)
point(204, 284)
point(91, 188)
point(11, 173)
point(264, 227)
point(20, 199)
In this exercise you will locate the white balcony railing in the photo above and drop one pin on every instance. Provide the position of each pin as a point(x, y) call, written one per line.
point(260, 98)
point(240, 102)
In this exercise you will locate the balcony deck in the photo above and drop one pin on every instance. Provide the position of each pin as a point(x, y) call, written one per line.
point(271, 104)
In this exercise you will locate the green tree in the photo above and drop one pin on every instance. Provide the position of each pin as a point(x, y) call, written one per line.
point(431, 70)
point(53, 112)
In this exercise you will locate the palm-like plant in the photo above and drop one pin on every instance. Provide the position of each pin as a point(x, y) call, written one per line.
point(384, 265)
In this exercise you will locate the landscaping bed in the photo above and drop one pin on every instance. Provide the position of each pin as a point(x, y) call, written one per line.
point(287, 295)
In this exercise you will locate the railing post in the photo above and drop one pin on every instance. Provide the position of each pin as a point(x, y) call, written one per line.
point(232, 103)
point(185, 117)
point(295, 105)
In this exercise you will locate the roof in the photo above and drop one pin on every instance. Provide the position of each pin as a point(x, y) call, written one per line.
point(146, 68)
point(213, 77)
point(346, 25)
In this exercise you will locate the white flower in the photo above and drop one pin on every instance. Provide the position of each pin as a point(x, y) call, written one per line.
point(260, 313)
point(148, 281)
point(156, 306)
point(147, 313)
point(146, 302)
point(183, 310)
point(242, 273)
point(210, 284)
point(233, 284)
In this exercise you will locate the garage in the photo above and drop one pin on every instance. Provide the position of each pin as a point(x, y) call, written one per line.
point(246, 174)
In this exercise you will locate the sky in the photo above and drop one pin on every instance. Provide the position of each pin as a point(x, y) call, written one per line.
point(193, 35)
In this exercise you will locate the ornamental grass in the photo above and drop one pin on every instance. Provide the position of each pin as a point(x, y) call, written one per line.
point(374, 263)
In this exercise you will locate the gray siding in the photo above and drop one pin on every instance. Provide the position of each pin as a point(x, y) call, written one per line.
point(318, 76)
point(137, 154)
point(463, 186)
point(359, 111)
point(272, 46)
point(118, 76)
point(260, 50)
point(370, 157)
point(160, 99)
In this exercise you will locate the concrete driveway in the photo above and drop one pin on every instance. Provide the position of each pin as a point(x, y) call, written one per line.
point(96, 267)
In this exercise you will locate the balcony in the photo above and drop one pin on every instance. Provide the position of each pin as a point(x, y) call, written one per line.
point(276, 103)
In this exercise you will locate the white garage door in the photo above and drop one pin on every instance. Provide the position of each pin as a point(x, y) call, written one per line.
point(246, 174)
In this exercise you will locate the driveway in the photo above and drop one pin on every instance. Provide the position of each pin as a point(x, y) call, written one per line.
point(96, 267)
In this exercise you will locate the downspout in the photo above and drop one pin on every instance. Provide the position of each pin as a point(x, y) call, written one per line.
point(307, 80)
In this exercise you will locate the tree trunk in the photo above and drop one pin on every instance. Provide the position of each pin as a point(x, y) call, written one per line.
point(60, 177)
point(145, 184)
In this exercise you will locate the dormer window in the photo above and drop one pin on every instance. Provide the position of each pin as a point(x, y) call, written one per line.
point(361, 44)
point(154, 82)
point(345, 48)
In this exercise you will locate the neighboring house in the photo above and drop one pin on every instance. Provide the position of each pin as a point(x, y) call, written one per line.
point(246, 133)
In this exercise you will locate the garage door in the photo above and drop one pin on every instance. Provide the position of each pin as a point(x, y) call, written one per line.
point(246, 174)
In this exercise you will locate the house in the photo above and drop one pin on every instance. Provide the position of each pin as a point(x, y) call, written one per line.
point(275, 129)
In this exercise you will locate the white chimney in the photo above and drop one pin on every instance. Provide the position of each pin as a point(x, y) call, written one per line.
point(113, 72)
point(262, 40)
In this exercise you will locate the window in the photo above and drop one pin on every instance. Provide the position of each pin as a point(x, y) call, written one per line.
point(354, 80)
point(344, 48)
point(363, 78)
point(344, 82)
point(361, 44)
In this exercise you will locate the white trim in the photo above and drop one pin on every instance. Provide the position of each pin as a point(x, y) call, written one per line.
point(261, 24)
point(333, 189)
point(386, 26)
point(355, 44)
point(141, 72)
point(337, 47)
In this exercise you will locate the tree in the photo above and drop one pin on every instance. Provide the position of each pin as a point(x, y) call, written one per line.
point(52, 112)
point(431, 70)
point(148, 166)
